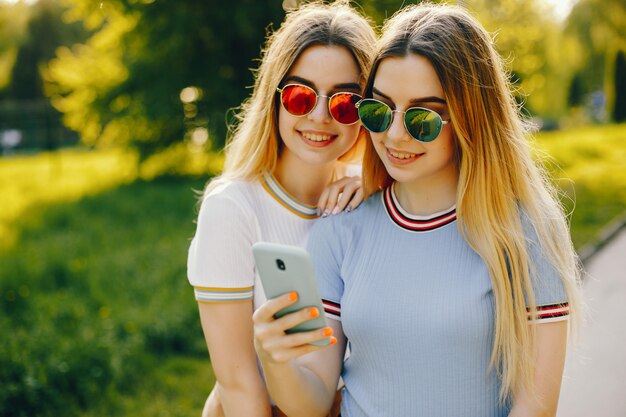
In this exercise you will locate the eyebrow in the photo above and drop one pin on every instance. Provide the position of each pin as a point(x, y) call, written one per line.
point(430, 99)
point(342, 86)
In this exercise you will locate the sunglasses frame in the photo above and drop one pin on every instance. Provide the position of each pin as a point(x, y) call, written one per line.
point(443, 122)
point(317, 96)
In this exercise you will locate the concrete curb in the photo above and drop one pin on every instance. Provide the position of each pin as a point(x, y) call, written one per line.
point(587, 252)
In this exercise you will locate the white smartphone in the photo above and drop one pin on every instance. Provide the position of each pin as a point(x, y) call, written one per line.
point(284, 268)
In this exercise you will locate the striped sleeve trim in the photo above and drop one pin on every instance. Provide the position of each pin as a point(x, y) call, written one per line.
point(549, 313)
point(223, 295)
point(332, 309)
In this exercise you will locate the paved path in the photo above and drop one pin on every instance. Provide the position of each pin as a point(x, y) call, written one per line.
point(595, 371)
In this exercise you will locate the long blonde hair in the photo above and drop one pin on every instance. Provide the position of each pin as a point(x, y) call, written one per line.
point(253, 145)
point(498, 178)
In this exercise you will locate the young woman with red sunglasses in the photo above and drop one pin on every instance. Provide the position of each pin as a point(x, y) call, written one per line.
point(286, 163)
point(456, 280)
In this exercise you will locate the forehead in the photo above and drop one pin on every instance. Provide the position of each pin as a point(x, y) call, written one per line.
point(326, 66)
point(407, 78)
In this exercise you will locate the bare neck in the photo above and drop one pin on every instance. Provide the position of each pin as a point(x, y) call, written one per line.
point(429, 195)
point(305, 182)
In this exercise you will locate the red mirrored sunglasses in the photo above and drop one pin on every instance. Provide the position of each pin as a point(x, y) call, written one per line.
point(300, 100)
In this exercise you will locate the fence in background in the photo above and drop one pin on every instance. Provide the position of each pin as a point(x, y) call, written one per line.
point(32, 126)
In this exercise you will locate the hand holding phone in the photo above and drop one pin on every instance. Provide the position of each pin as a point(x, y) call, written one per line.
point(284, 269)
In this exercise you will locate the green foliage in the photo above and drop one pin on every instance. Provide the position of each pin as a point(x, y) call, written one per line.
point(619, 109)
point(44, 33)
point(94, 298)
point(589, 166)
point(576, 93)
point(13, 20)
point(599, 29)
point(123, 85)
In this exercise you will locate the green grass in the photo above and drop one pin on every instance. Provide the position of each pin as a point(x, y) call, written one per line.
point(589, 166)
point(28, 182)
point(97, 313)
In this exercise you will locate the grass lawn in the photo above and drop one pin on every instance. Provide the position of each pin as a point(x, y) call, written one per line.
point(101, 318)
point(93, 289)
point(589, 165)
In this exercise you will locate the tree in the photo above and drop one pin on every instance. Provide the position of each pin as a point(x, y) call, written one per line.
point(619, 109)
point(124, 84)
point(576, 91)
point(13, 20)
point(599, 27)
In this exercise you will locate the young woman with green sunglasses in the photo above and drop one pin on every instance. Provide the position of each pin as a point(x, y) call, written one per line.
point(455, 281)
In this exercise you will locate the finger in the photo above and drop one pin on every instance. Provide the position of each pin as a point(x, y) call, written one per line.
point(357, 199)
point(305, 338)
point(266, 312)
point(285, 355)
point(321, 203)
point(289, 321)
point(297, 339)
point(333, 195)
point(347, 195)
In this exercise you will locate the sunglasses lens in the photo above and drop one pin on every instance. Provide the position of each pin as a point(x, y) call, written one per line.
point(423, 124)
point(374, 115)
point(298, 99)
point(342, 107)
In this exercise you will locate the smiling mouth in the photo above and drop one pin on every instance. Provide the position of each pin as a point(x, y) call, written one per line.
point(316, 137)
point(401, 155)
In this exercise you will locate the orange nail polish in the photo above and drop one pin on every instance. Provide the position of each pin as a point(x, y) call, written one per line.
point(333, 340)
point(314, 312)
point(293, 296)
point(328, 331)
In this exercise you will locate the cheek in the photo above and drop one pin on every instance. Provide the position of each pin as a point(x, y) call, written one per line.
point(377, 142)
point(285, 122)
point(351, 132)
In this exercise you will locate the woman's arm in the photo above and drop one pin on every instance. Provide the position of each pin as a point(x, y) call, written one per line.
point(550, 347)
point(228, 333)
point(301, 378)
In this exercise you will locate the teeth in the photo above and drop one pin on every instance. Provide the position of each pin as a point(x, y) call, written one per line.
point(316, 137)
point(401, 155)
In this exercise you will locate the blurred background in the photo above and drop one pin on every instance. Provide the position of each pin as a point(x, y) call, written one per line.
point(112, 113)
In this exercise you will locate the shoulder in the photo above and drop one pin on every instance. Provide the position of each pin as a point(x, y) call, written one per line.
point(232, 193)
point(530, 226)
point(348, 223)
point(237, 190)
point(229, 202)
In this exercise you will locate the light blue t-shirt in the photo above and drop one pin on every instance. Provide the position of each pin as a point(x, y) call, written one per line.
point(416, 304)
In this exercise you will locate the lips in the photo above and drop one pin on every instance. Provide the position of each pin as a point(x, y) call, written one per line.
point(401, 157)
point(317, 139)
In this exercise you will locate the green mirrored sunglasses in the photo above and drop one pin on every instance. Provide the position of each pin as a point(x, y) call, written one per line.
point(423, 125)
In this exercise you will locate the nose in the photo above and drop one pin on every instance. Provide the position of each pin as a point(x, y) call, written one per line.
point(397, 131)
point(320, 112)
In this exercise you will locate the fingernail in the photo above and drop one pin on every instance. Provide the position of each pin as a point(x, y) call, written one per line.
point(333, 340)
point(325, 214)
point(328, 331)
point(314, 312)
point(348, 209)
point(336, 210)
point(319, 211)
point(293, 296)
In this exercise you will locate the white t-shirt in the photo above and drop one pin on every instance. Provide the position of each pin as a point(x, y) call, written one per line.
point(232, 218)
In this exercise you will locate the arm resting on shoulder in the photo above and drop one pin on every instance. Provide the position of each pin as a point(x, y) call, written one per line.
point(229, 336)
point(550, 347)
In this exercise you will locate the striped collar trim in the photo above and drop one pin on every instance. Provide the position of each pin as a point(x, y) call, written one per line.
point(285, 199)
point(412, 222)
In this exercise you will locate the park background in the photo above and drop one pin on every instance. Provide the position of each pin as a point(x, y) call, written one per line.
point(113, 114)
